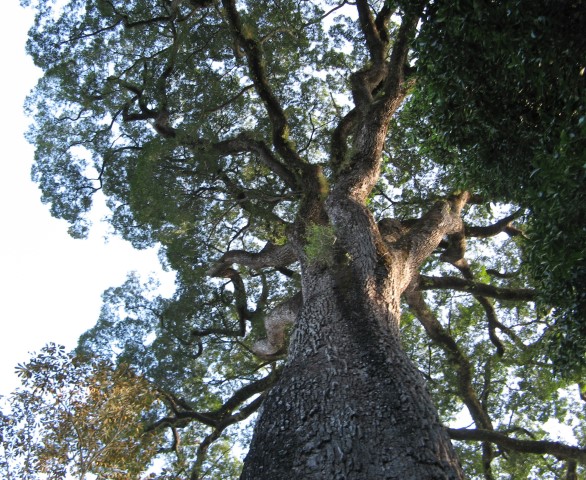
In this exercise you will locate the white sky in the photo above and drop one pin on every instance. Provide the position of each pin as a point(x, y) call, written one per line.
point(50, 284)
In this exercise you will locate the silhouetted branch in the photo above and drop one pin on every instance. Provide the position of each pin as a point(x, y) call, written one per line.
point(476, 288)
point(539, 447)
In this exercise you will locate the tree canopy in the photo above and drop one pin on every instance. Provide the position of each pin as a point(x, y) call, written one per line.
point(507, 88)
point(299, 161)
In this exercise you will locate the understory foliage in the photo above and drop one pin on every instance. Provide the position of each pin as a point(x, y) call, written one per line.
point(217, 130)
point(76, 416)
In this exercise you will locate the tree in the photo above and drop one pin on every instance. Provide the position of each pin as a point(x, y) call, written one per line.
point(269, 148)
point(77, 417)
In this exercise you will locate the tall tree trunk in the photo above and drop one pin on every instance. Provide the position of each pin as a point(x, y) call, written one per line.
point(350, 404)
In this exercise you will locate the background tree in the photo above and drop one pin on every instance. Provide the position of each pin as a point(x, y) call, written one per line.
point(272, 151)
point(77, 417)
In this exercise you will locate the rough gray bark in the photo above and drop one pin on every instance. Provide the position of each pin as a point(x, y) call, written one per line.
point(350, 404)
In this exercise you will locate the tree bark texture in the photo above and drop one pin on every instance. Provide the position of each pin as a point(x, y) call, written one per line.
point(350, 404)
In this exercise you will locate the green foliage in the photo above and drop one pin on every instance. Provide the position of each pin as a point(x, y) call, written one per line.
point(519, 391)
point(320, 241)
point(77, 416)
point(502, 97)
point(153, 104)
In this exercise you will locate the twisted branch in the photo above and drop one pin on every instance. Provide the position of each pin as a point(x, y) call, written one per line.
point(253, 51)
point(245, 142)
point(276, 323)
point(183, 413)
point(454, 254)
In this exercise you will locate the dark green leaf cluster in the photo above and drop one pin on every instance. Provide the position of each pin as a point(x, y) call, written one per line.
point(502, 101)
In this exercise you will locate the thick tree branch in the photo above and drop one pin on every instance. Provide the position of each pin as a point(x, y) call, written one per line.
point(493, 324)
point(363, 84)
point(374, 30)
point(246, 143)
point(539, 447)
point(309, 178)
point(241, 303)
point(454, 254)
point(399, 54)
point(245, 393)
point(339, 143)
point(181, 420)
point(358, 174)
point(476, 288)
point(225, 420)
point(503, 225)
point(572, 470)
point(276, 323)
point(505, 275)
point(203, 447)
point(271, 255)
point(442, 219)
point(183, 413)
point(381, 22)
point(244, 199)
point(457, 358)
point(201, 453)
point(227, 332)
point(253, 52)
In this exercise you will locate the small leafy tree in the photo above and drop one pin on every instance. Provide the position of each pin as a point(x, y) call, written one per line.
point(79, 417)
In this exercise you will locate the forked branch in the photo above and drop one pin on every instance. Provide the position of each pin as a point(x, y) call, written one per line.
point(444, 218)
point(182, 414)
